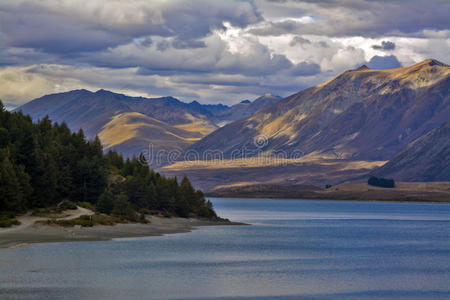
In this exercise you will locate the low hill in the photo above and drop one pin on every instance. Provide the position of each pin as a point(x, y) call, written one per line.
point(134, 132)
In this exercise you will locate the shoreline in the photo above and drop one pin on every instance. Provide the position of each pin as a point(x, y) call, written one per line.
point(18, 236)
point(413, 192)
point(328, 199)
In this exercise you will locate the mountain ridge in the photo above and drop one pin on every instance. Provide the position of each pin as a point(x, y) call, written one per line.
point(335, 132)
point(336, 118)
point(425, 159)
point(92, 111)
point(361, 116)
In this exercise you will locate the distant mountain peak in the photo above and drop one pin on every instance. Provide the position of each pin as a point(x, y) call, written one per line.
point(431, 62)
point(109, 93)
point(362, 68)
point(266, 97)
point(81, 90)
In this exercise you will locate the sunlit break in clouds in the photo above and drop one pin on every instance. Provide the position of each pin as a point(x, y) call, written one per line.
point(209, 51)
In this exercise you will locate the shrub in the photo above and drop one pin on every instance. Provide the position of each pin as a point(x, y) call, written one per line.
point(143, 219)
point(151, 212)
point(166, 214)
point(51, 212)
point(7, 220)
point(381, 182)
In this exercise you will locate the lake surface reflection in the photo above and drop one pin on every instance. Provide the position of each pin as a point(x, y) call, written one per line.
point(294, 249)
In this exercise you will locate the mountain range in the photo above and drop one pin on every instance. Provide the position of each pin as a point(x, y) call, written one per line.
point(130, 124)
point(390, 123)
point(360, 114)
point(338, 131)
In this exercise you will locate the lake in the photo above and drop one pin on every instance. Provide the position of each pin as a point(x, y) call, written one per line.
point(293, 249)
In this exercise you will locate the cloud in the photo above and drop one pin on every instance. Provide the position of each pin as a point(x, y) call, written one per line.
point(305, 69)
point(209, 51)
point(163, 45)
point(21, 84)
point(357, 17)
point(62, 27)
point(188, 44)
point(298, 40)
point(385, 45)
point(144, 42)
point(219, 54)
point(383, 62)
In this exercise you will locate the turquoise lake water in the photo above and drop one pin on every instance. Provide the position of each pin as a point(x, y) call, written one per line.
point(294, 249)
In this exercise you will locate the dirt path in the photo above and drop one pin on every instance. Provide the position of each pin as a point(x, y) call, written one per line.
point(28, 220)
point(73, 214)
point(25, 221)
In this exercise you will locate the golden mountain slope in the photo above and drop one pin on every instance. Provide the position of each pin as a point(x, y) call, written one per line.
point(133, 133)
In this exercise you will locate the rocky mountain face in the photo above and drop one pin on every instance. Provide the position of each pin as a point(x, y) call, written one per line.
point(425, 159)
point(360, 114)
point(132, 124)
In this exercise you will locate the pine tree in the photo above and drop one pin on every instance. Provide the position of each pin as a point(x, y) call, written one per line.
point(11, 196)
point(105, 202)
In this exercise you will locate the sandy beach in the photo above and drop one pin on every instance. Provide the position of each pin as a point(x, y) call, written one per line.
point(31, 232)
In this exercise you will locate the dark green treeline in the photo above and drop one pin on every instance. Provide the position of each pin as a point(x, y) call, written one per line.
point(43, 163)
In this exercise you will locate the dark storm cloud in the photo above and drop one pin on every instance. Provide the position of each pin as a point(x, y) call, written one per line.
point(385, 45)
point(66, 27)
point(383, 62)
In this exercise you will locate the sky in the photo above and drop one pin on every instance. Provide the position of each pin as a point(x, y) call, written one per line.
point(209, 51)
